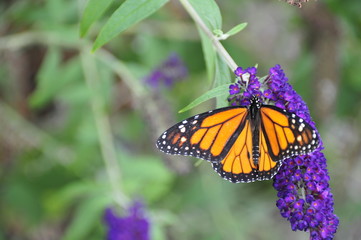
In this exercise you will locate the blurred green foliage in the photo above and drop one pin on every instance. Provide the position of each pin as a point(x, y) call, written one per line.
point(54, 176)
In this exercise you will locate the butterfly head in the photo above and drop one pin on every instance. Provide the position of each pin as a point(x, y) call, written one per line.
point(255, 101)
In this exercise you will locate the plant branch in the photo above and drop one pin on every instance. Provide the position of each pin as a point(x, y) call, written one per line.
point(103, 125)
point(122, 71)
point(216, 43)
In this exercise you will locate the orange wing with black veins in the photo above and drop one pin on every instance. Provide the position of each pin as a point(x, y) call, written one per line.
point(208, 136)
point(286, 134)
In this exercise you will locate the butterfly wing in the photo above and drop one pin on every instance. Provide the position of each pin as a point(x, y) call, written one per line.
point(238, 164)
point(208, 136)
point(281, 135)
point(284, 135)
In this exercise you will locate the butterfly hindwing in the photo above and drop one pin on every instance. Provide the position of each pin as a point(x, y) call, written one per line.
point(239, 166)
point(208, 136)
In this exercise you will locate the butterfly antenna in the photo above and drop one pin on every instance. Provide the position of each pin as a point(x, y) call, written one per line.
point(265, 81)
point(245, 78)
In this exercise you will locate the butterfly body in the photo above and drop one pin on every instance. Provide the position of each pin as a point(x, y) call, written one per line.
point(255, 121)
point(243, 143)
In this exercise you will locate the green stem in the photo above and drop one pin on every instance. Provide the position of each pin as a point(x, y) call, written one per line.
point(216, 43)
point(103, 125)
point(24, 39)
point(122, 71)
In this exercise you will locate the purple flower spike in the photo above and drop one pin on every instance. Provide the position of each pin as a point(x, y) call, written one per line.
point(302, 183)
point(169, 72)
point(307, 172)
point(133, 226)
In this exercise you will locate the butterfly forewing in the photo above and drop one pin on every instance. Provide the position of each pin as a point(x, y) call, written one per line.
point(286, 134)
point(207, 136)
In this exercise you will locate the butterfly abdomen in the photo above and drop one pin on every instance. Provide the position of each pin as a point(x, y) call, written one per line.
point(255, 150)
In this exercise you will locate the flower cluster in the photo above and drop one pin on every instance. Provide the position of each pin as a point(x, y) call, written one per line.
point(170, 71)
point(305, 198)
point(134, 226)
point(248, 81)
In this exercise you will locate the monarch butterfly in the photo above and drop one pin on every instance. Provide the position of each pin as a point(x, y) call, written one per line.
point(243, 143)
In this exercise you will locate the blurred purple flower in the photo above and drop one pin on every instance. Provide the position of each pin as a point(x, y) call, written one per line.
point(171, 70)
point(302, 183)
point(133, 226)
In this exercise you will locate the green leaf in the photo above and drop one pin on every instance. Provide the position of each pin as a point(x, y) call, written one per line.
point(209, 54)
point(128, 14)
point(88, 214)
point(92, 12)
point(209, 12)
point(47, 78)
point(215, 92)
point(222, 77)
point(236, 29)
point(54, 77)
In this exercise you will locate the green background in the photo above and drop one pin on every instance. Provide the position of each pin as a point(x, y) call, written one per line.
point(56, 99)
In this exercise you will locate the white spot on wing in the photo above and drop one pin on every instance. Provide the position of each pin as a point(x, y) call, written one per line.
point(300, 128)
